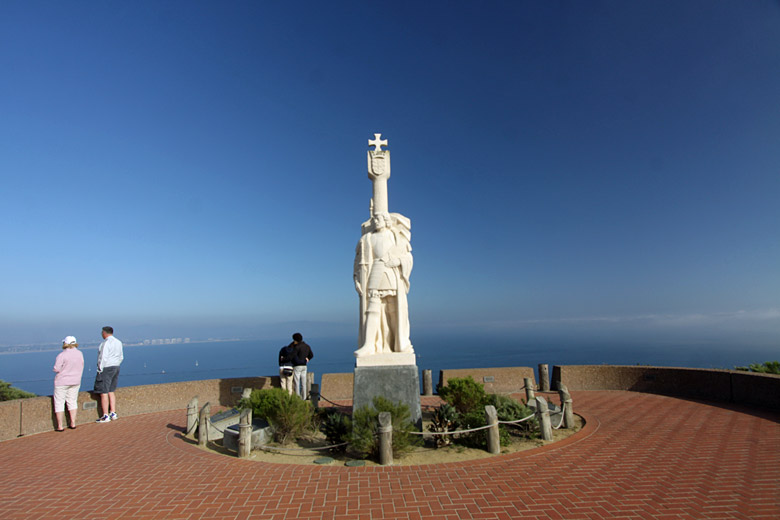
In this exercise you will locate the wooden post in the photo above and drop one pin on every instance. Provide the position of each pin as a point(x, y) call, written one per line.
point(246, 393)
point(543, 415)
point(529, 389)
point(192, 417)
point(385, 439)
point(544, 377)
point(203, 425)
point(427, 382)
point(493, 438)
point(245, 433)
point(314, 395)
point(568, 406)
point(309, 382)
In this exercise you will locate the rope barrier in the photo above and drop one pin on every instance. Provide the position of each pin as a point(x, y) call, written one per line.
point(563, 407)
point(331, 402)
point(453, 432)
point(517, 421)
point(215, 426)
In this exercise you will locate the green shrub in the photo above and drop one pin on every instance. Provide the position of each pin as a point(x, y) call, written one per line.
point(478, 439)
point(507, 409)
point(445, 419)
point(365, 425)
point(290, 416)
point(768, 367)
point(465, 394)
point(337, 427)
point(9, 393)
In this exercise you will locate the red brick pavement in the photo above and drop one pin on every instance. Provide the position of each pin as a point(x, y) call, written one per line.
point(640, 456)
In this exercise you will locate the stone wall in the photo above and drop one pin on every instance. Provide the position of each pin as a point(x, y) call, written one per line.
point(504, 380)
point(337, 386)
point(762, 390)
point(35, 415)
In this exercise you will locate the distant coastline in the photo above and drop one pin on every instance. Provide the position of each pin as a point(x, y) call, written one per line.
point(53, 347)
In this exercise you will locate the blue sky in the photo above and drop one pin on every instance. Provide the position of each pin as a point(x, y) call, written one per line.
point(599, 169)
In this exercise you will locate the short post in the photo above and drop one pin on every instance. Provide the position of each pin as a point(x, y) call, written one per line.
point(203, 425)
point(543, 415)
point(246, 393)
point(567, 404)
point(544, 377)
point(493, 438)
point(192, 417)
point(529, 389)
point(427, 382)
point(309, 382)
point(245, 433)
point(385, 439)
point(314, 395)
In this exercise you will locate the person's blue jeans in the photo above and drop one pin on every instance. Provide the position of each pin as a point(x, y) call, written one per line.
point(299, 381)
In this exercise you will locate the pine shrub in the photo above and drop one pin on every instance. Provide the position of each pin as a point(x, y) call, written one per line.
point(465, 394)
point(290, 416)
point(365, 428)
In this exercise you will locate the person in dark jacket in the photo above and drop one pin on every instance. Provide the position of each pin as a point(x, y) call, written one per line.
point(301, 357)
point(286, 356)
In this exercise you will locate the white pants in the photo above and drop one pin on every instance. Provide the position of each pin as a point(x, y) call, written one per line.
point(66, 394)
point(299, 381)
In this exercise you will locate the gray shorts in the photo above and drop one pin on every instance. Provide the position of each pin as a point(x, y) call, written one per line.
point(106, 380)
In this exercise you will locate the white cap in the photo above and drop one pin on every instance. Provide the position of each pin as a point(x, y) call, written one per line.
point(69, 340)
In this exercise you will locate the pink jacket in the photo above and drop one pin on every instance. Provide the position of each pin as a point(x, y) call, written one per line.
point(69, 365)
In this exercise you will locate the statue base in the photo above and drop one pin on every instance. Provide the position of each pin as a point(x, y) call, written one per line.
point(389, 359)
point(396, 383)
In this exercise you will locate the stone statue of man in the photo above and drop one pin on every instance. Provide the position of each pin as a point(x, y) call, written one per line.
point(383, 264)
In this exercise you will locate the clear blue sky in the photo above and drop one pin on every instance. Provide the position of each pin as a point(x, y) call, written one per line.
point(600, 169)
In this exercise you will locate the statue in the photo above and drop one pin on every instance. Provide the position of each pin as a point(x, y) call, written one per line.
point(383, 265)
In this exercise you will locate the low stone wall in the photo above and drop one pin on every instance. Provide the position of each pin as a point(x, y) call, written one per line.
point(26, 416)
point(762, 390)
point(337, 386)
point(504, 380)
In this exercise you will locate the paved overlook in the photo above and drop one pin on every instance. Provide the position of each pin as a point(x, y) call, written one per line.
point(639, 456)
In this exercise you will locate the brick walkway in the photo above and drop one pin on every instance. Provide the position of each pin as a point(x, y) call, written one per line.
point(639, 456)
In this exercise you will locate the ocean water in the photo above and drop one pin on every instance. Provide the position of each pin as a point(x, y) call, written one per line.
point(143, 365)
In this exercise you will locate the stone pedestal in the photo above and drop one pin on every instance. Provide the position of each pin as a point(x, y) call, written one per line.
point(395, 383)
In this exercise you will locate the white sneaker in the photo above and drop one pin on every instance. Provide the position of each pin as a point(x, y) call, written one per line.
point(105, 418)
point(113, 416)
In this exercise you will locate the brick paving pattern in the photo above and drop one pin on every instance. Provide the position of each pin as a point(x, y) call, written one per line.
point(640, 456)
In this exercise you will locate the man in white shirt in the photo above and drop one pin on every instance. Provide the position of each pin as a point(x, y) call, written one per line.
point(109, 358)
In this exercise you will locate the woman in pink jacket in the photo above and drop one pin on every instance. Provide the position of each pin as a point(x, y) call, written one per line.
point(69, 365)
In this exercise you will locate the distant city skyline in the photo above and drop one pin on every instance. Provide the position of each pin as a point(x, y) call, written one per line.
point(601, 171)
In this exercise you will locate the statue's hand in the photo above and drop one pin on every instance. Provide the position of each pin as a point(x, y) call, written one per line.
point(392, 262)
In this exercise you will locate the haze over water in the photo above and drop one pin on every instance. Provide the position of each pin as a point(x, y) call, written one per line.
point(170, 363)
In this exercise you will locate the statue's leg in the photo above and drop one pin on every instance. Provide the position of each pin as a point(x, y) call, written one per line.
point(373, 315)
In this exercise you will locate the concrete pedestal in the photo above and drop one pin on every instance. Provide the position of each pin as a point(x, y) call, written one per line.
point(394, 383)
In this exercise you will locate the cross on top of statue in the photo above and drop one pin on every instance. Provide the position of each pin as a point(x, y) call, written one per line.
point(377, 142)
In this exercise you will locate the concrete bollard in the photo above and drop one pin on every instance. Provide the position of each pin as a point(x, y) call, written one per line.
point(568, 406)
point(544, 377)
point(529, 389)
point(245, 433)
point(203, 425)
point(543, 415)
point(309, 382)
point(427, 382)
point(314, 395)
point(192, 417)
point(385, 439)
point(493, 437)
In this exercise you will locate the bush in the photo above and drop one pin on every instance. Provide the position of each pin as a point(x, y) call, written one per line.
point(478, 439)
point(365, 426)
point(508, 409)
point(465, 394)
point(445, 419)
point(9, 393)
point(768, 367)
point(290, 416)
point(337, 427)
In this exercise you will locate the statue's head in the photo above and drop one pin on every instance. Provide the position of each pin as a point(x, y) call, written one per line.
point(381, 221)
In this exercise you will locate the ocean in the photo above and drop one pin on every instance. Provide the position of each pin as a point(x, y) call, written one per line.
point(144, 365)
